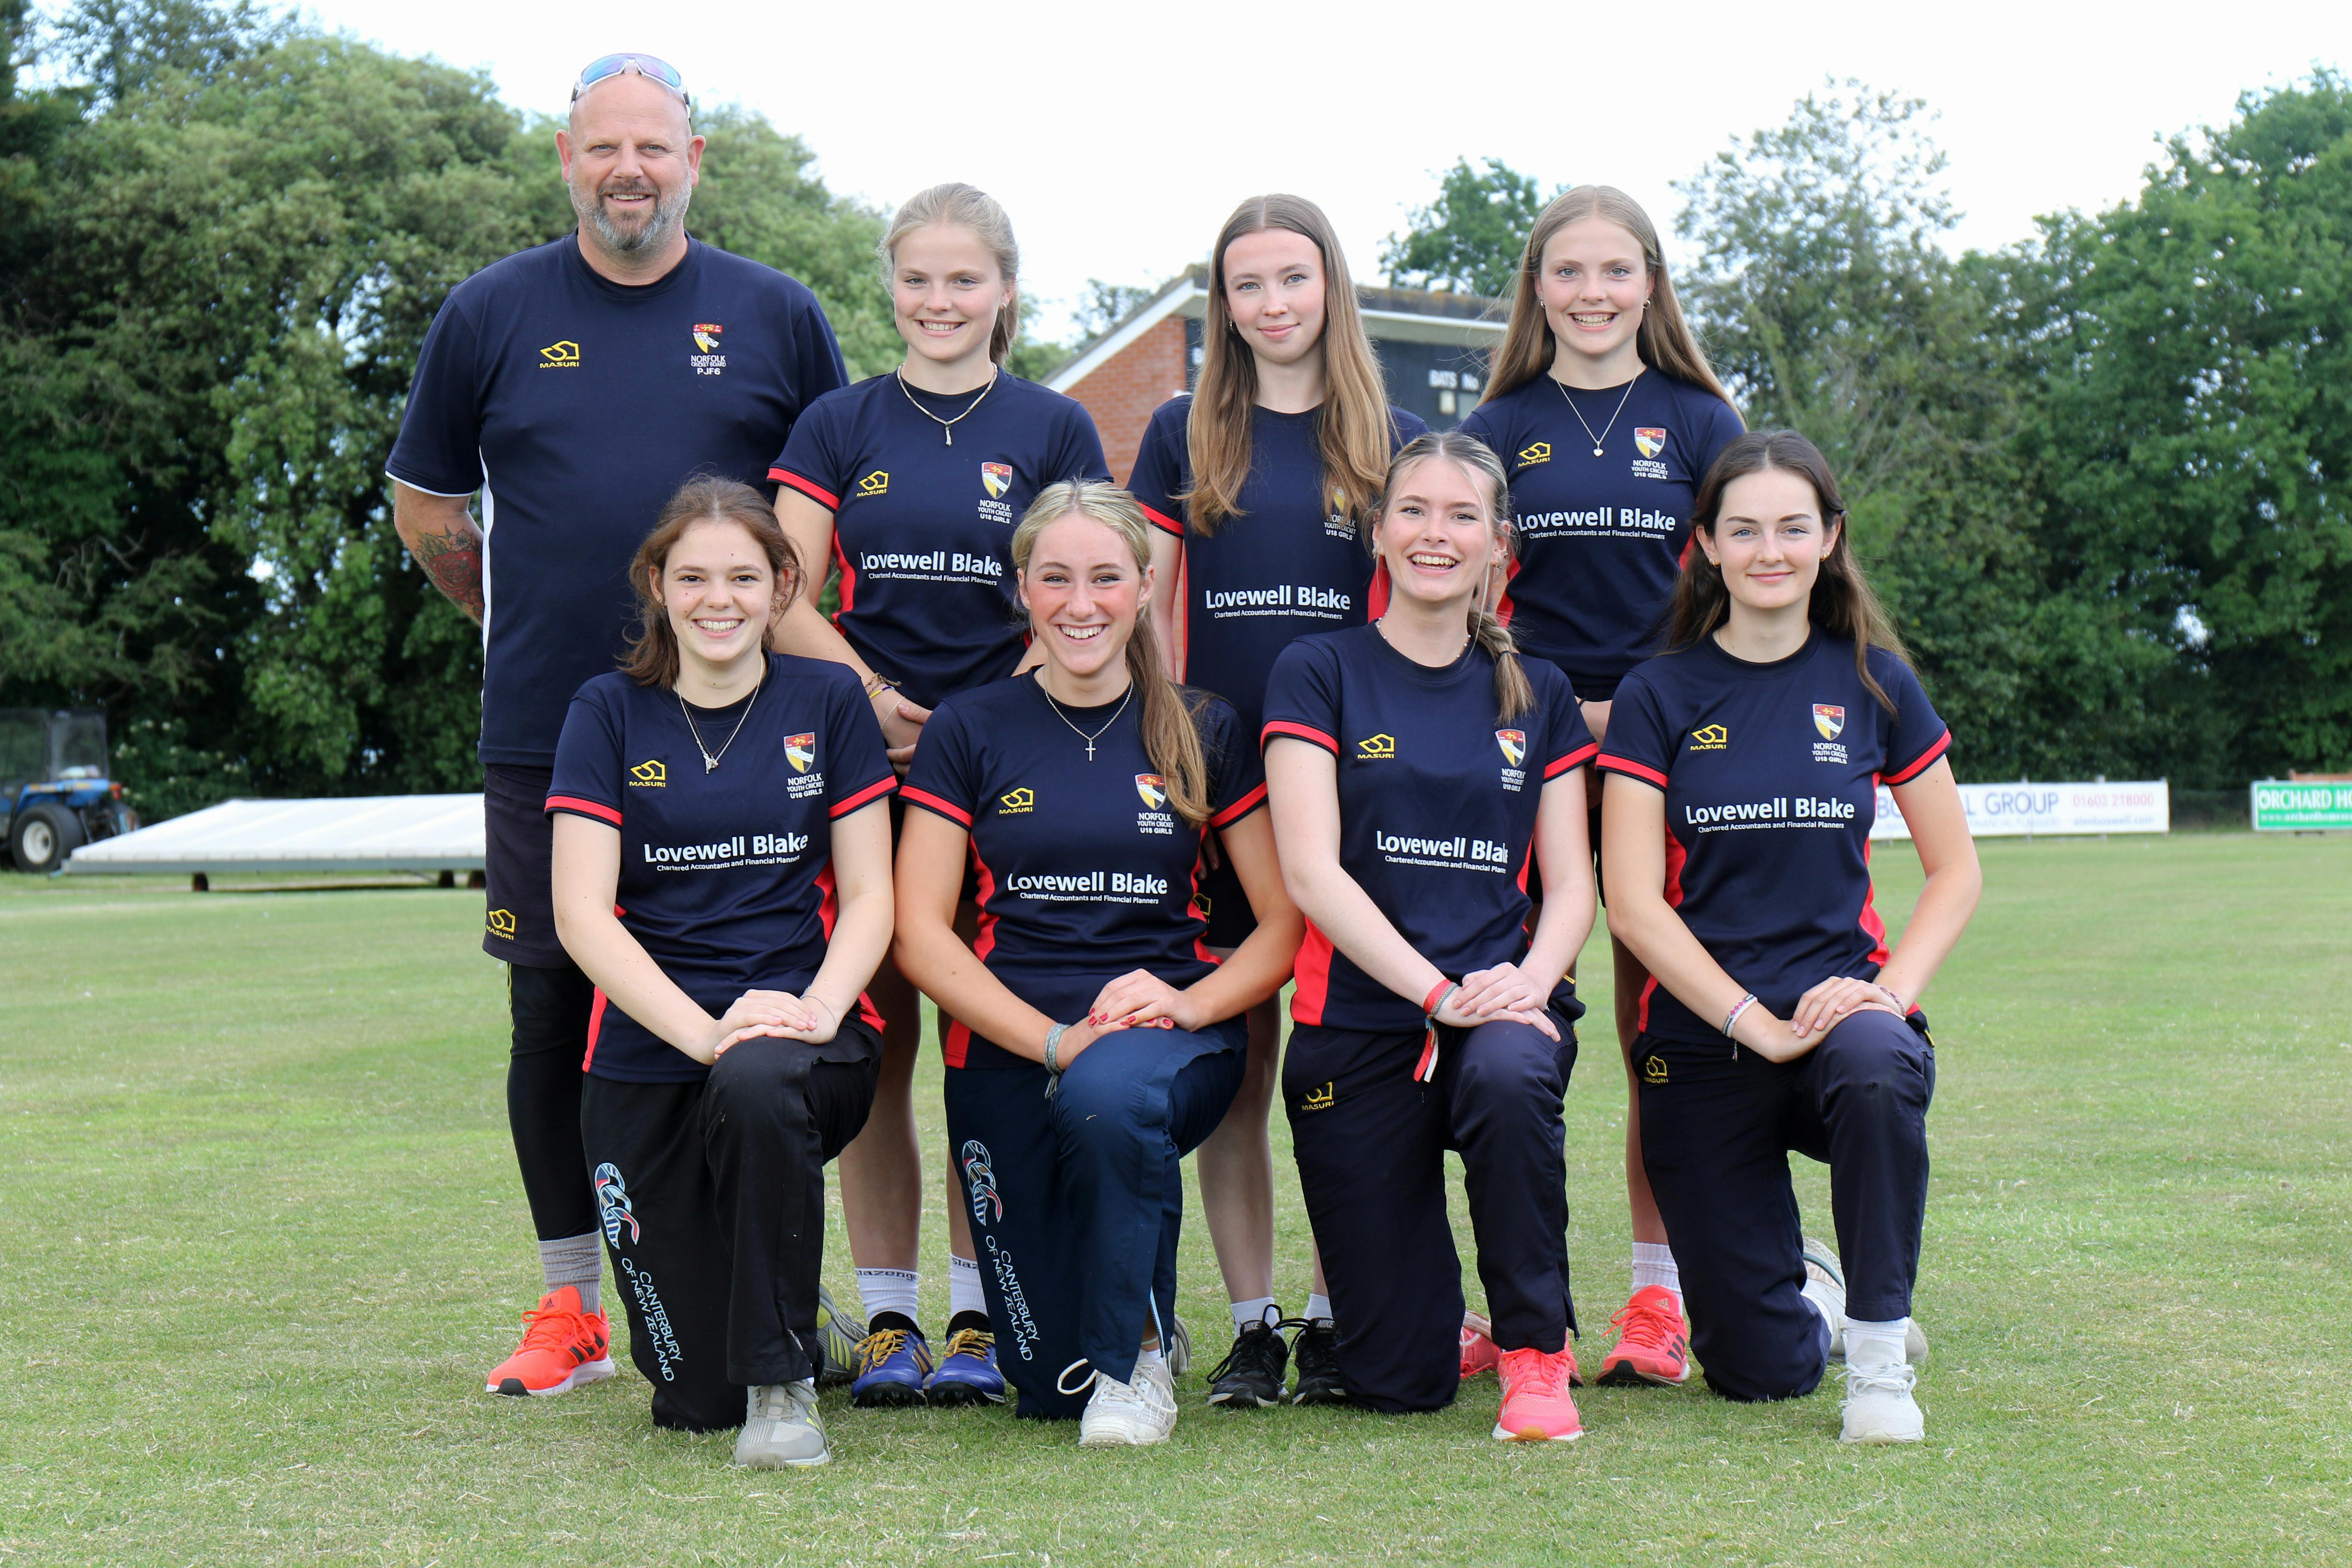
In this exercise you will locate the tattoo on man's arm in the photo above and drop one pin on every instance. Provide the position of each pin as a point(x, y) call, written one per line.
point(454, 562)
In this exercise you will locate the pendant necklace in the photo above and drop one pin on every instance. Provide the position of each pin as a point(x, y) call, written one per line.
point(708, 761)
point(1572, 408)
point(1081, 734)
point(947, 426)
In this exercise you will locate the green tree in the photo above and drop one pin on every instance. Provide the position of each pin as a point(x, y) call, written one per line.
point(2194, 454)
point(1470, 239)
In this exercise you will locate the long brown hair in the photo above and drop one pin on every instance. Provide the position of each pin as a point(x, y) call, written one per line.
point(1663, 339)
point(653, 657)
point(1171, 730)
point(1843, 602)
point(964, 207)
point(1353, 422)
point(1513, 695)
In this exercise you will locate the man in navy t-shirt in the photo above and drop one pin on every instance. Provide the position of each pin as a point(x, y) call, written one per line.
point(575, 386)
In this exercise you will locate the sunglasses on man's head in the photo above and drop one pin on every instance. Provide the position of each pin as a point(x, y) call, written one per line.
point(652, 69)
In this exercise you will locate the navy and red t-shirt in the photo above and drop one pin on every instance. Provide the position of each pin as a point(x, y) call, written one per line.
point(1294, 561)
point(1437, 805)
point(1086, 871)
point(727, 873)
point(577, 406)
point(1771, 775)
point(1600, 539)
point(922, 530)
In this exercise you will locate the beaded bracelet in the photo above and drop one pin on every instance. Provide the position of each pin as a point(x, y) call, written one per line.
point(1736, 1008)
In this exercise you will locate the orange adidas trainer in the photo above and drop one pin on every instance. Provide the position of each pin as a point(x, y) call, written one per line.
point(562, 1349)
point(1653, 1342)
point(1537, 1405)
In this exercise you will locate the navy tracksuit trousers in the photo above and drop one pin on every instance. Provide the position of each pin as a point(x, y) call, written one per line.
point(712, 1198)
point(1716, 1127)
point(1371, 1142)
point(1078, 1201)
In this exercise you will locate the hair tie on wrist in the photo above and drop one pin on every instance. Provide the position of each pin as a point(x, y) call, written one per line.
point(1439, 994)
point(1053, 1068)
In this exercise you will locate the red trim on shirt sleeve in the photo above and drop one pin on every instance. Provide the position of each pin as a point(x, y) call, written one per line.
point(1575, 759)
point(1641, 771)
point(1161, 520)
point(872, 792)
point(1926, 760)
point(946, 808)
point(1302, 732)
point(814, 491)
point(1240, 808)
point(573, 804)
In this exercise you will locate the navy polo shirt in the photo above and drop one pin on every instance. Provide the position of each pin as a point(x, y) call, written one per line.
point(577, 406)
point(726, 874)
point(923, 530)
point(1600, 539)
point(1771, 775)
point(1086, 871)
point(1294, 561)
point(1437, 805)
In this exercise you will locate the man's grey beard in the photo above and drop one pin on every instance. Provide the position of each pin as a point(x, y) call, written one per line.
point(669, 218)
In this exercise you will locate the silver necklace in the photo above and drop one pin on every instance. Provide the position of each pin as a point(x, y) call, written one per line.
point(1580, 419)
point(709, 762)
point(947, 426)
point(1081, 734)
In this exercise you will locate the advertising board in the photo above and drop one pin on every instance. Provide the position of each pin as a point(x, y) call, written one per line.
point(2282, 807)
point(2023, 810)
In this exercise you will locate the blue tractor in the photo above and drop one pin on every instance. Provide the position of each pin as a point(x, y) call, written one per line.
point(55, 795)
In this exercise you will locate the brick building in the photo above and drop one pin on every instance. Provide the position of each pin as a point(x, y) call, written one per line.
point(1432, 347)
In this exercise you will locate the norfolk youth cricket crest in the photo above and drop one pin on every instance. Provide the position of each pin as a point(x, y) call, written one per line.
point(1513, 743)
point(800, 751)
point(995, 479)
point(1153, 789)
point(1828, 720)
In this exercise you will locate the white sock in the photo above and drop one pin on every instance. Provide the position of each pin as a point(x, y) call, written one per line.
point(887, 1290)
point(1318, 1308)
point(1144, 1361)
point(1254, 1310)
point(964, 1293)
point(1875, 1344)
point(1653, 1264)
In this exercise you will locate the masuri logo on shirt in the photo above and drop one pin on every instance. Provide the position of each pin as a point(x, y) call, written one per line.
point(502, 923)
point(1013, 802)
point(649, 775)
point(800, 751)
point(1710, 738)
point(995, 479)
point(560, 355)
point(1538, 453)
point(875, 484)
point(1376, 746)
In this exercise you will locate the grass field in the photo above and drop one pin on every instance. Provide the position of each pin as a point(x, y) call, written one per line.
point(261, 1234)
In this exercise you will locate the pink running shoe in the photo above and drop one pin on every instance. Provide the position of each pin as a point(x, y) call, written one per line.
point(562, 1349)
point(1537, 1405)
point(1478, 1353)
point(1653, 1342)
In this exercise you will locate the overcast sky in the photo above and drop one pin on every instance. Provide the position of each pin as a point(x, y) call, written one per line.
point(1119, 136)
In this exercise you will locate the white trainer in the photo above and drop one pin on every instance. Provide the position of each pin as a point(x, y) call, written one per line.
point(1879, 1406)
point(1825, 1287)
point(1122, 1413)
point(782, 1428)
point(1180, 1347)
point(1821, 1263)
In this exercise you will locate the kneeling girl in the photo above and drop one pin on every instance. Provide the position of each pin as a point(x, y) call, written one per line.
point(1414, 764)
point(723, 873)
point(1744, 767)
point(1092, 1042)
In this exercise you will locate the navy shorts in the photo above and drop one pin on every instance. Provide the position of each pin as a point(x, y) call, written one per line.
point(518, 860)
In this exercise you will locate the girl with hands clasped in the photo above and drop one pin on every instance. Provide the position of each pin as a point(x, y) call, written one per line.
point(1416, 766)
point(1743, 770)
point(1091, 1040)
point(723, 873)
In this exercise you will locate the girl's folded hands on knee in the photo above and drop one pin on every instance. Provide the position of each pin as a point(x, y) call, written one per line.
point(1836, 999)
point(1503, 994)
point(777, 1014)
point(1140, 999)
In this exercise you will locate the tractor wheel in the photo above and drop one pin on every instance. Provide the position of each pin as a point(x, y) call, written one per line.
point(43, 837)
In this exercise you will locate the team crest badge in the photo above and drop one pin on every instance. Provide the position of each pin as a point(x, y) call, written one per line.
point(706, 336)
point(995, 479)
point(1153, 789)
point(1649, 440)
point(1513, 743)
point(800, 751)
point(1829, 721)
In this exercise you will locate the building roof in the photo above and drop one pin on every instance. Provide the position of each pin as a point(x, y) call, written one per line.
point(1413, 315)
